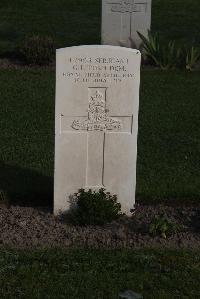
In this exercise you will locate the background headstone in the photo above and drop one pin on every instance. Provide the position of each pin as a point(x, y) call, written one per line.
point(97, 101)
point(121, 19)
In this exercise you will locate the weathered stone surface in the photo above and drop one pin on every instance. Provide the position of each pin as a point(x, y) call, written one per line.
point(121, 19)
point(97, 100)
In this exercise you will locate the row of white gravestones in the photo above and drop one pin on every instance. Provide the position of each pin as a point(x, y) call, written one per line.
point(121, 19)
point(97, 101)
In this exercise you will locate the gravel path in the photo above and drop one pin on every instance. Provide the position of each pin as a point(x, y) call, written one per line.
point(24, 227)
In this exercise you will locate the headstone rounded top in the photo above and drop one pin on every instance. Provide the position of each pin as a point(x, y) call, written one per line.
point(103, 47)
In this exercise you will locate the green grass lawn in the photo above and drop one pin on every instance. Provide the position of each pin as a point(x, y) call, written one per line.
point(168, 145)
point(177, 19)
point(75, 22)
point(169, 130)
point(88, 274)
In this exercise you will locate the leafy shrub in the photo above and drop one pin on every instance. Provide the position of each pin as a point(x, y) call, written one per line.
point(188, 57)
point(164, 55)
point(94, 207)
point(162, 226)
point(168, 55)
point(192, 57)
point(38, 50)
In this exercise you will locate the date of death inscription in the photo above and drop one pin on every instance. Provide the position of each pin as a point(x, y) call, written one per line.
point(97, 70)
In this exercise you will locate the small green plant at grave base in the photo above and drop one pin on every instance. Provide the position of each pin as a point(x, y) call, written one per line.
point(4, 200)
point(94, 207)
point(164, 55)
point(192, 57)
point(38, 50)
point(188, 58)
point(162, 226)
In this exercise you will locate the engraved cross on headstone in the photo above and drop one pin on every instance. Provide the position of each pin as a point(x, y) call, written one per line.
point(127, 8)
point(97, 124)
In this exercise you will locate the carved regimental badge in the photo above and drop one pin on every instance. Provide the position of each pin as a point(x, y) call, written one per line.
point(123, 6)
point(129, 6)
point(98, 119)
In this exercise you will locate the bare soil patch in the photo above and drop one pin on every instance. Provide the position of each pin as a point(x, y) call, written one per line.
point(25, 227)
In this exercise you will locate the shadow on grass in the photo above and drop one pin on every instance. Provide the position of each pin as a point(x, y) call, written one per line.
point(26, 187)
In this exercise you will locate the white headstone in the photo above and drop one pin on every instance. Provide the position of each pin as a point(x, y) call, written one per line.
point(97, 100)
point(121, 19)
